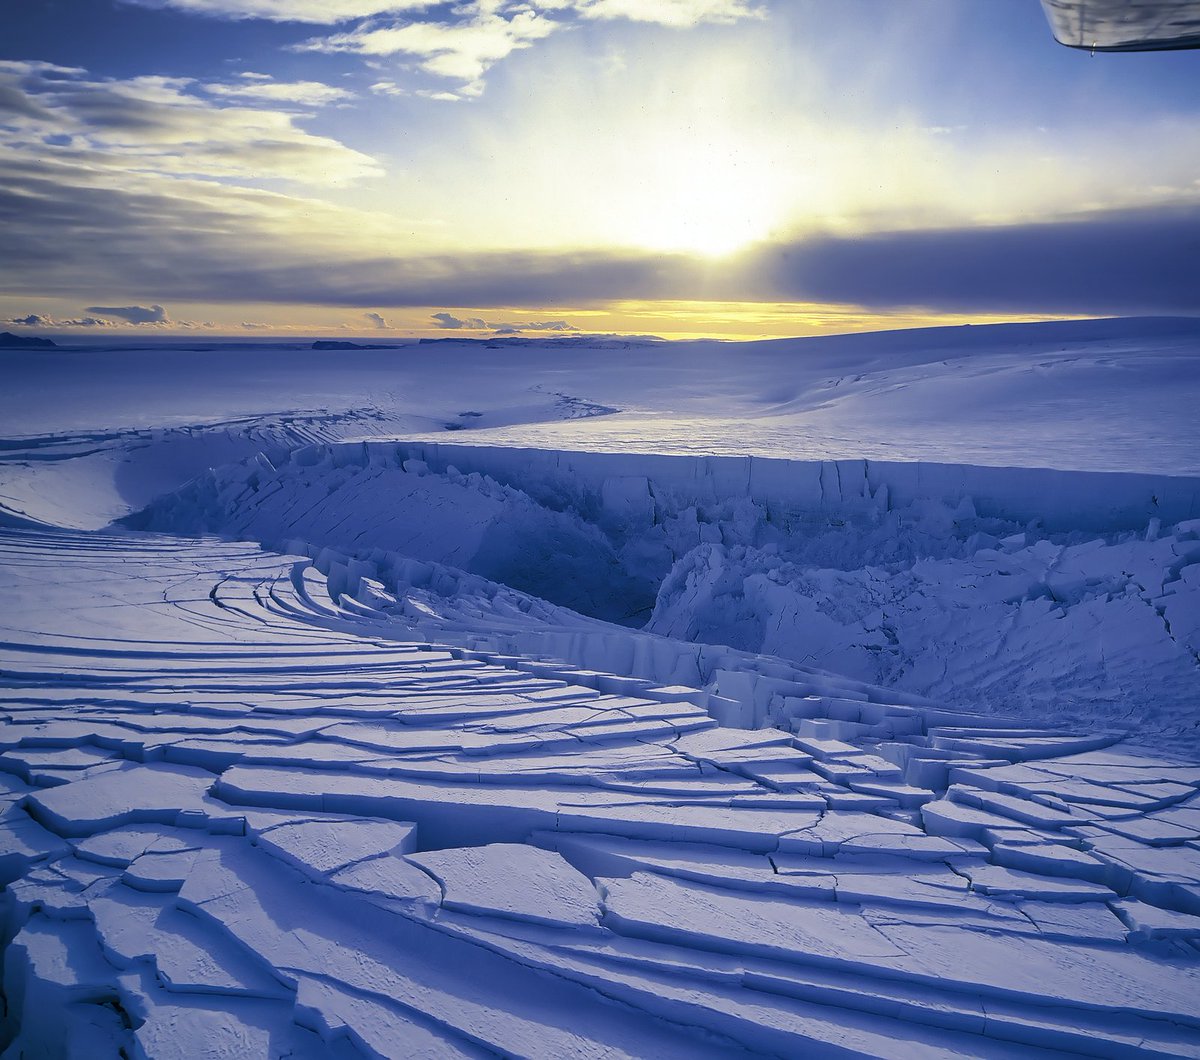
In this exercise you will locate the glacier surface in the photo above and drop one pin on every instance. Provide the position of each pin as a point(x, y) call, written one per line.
point(677, 700)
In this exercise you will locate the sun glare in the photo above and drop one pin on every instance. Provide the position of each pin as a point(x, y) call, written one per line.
point(711, 202)
point(701, 161)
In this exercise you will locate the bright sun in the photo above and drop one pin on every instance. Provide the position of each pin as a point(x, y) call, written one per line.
point(704, 199)
point(701, 164)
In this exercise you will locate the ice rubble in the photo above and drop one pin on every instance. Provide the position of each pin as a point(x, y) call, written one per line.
point(935, 580)
point(254, 809)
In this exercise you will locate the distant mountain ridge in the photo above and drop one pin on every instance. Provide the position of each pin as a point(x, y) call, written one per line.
point(9, 341)
point(341, 344)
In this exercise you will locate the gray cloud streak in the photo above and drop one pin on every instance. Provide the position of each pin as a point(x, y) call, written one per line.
point(1121, 261)
point(133, 314)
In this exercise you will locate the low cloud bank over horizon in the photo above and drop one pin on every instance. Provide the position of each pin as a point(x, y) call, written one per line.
point(1117, 261)
point(136, 316)
point(453, 323)
point(1135, 261)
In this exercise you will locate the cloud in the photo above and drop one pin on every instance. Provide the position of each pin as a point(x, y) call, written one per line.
point(33, 320)
point(133, 314)
point(173, 126)
point(329, 12)
point(376, 319)
point(262, 88)
point(249, 326)
point(14, 102)
point(481, 33)
point(678, 13)
point(70, 227)
point(545, 325)
point(461, 50)
point(445, 320)
point(1116, 261)
point(325, 12)
point(535, 325)
point(38, 320)
point(389, 88)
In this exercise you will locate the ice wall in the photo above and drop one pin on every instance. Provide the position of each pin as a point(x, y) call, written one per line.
point(1060, 500)
point(887, 574)
point(359, 496)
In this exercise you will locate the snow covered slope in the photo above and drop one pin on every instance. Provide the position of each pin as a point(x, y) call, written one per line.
point(1089, 395)
point(835, 697)
point(1102, 396)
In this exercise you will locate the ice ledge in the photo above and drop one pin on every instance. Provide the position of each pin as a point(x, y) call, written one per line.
point(1060, 500)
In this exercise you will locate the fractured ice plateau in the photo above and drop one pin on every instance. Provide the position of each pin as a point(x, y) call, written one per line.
point(832, 697)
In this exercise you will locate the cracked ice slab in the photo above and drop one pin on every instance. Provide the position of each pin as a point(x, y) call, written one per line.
point(279, 887)
point(130, 795)
point(513, 880)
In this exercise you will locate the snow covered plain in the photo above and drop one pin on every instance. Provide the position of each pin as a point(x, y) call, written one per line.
point(833, 697)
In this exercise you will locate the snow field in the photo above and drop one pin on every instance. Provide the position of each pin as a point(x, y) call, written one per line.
point(822, 698)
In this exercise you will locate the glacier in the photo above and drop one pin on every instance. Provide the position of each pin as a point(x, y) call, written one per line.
point(680, 699)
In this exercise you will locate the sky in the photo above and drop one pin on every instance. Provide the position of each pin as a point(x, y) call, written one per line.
point(735, 168)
